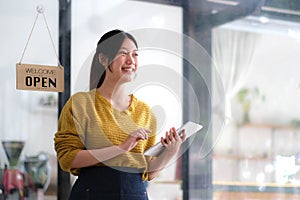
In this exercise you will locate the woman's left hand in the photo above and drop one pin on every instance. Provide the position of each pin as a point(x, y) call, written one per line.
point(173, 141)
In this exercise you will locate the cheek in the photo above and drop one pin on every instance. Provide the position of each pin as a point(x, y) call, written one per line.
point(117, 62)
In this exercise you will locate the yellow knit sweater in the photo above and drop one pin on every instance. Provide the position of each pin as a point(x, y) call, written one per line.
point(88, 121)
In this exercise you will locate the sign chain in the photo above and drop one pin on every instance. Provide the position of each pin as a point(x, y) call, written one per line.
point(40, 11)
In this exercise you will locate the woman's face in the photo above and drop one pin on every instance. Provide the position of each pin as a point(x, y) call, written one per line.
point(125, 63)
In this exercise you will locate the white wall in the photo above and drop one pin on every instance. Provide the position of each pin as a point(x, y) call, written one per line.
point(276, 72)
point(21, 116)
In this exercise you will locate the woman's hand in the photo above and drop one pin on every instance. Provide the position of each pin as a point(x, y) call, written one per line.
point(173, 141)
point(91, 157)
point(133, 138)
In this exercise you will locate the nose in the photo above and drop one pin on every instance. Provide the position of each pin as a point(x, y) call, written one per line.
point(130, 59)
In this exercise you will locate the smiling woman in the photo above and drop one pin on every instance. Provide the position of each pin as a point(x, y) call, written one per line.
point(103, 133)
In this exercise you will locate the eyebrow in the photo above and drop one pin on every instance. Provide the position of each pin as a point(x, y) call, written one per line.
point(128, 50)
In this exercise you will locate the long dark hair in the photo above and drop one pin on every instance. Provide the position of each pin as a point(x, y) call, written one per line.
point(109, 45)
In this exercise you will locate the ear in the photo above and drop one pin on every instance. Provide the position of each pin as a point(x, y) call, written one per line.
point(103, 59)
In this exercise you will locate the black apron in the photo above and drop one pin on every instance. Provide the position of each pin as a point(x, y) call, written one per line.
point(105, 183)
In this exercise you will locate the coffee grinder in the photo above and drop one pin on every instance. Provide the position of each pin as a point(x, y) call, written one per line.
point(13, 178)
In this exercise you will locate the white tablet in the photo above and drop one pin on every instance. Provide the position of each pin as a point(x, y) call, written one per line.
point(190, 129)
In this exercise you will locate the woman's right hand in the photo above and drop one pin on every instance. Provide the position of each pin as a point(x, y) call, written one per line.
point(173, 141)
point(133, 138)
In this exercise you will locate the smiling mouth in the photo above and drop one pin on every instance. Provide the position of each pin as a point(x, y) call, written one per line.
point(128, 69)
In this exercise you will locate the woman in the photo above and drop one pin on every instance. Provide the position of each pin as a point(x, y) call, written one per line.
point(102, 134)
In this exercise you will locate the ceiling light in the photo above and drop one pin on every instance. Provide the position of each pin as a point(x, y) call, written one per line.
point(279, 10)
point(232, 3)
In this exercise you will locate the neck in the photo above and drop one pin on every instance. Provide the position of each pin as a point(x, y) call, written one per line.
point(112, 91)
point(116, 95)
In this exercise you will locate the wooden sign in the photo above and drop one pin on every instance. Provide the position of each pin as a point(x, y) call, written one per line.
point(40, 77)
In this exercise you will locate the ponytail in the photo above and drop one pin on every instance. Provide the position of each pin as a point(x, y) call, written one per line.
point(97, 73)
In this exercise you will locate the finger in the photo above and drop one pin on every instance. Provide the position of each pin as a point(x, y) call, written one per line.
point(175, 134)
point(139, 135)
point(147, 130)
point(144, 133)
point(163, 142)
point(183, 136)
point(168, 138)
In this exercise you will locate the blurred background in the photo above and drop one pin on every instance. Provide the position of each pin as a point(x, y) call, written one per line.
point(235, 69)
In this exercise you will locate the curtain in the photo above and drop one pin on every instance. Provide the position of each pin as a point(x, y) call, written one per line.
point(232, 54)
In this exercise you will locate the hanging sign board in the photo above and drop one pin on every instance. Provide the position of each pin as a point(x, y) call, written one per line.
point(40, 77)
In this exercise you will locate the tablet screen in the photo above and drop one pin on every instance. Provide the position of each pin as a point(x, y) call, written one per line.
point(190, 129)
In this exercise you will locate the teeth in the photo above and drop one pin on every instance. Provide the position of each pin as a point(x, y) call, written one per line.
point(128, 69)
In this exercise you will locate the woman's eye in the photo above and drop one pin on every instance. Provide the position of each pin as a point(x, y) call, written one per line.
point(123, 52)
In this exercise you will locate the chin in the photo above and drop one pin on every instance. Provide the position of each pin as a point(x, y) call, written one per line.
point(127, 78)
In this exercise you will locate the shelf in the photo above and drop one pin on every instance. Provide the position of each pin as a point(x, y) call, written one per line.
point(267, 184)
point(269, 126)
point(256, 187)
point(176, 182)
point(237, 157)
